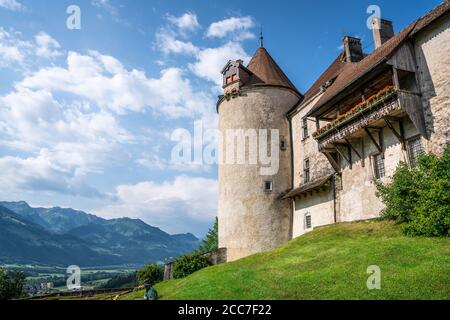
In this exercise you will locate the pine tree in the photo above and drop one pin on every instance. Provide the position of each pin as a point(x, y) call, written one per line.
point(211, 241)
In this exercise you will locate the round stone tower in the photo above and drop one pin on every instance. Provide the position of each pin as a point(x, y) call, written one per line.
point(252, 215)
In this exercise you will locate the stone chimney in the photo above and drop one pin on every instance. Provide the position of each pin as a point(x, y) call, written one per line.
point(353, 49)
point(382, 30)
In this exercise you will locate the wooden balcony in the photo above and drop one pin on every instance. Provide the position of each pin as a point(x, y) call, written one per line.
point(389, 102)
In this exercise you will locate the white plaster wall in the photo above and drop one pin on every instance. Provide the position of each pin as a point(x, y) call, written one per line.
point(321, 207)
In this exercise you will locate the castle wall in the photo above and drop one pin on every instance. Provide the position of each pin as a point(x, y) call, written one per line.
point(432, 48)
point(320, 205)
point(252, 220)
point(307, 148)
point(358, 200)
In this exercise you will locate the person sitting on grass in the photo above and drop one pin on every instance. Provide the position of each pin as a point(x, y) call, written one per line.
point(150, 292)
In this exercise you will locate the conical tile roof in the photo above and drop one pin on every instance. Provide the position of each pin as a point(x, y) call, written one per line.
point(265, 68)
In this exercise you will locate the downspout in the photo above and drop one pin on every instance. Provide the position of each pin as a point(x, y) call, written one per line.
point(291, 138)
point(334, 197)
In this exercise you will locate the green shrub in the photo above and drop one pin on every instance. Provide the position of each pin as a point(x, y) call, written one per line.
point(420, 196)
point(11, 284)
point(150, 274)
point(188, 264)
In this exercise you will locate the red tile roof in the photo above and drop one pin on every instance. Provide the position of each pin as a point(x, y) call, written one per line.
point(351, 72)
point(265, 68)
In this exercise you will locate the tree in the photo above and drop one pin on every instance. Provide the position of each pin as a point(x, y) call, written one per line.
point(11, 284)
point(150, 274)
point(419, 197)
point(211, 241)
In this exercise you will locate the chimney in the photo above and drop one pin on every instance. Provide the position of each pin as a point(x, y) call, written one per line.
point(353, 49)
point(382, 30)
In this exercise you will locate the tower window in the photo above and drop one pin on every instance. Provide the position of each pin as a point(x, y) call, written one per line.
point(414, 150)
point(229, 80)
point(308, 221)
point(268, 186)
point(283, 144)
point(306, 171)
point(305, 128)
point(233, 77)
point(378, 164)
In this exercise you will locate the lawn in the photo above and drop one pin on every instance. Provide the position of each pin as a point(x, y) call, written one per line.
point(328, 263)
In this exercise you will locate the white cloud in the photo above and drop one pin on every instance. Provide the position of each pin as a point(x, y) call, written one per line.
point(238, 27)
point(105, 5)
point(186, 22)
point(47, 47)
point(12, 5)
point(104, 81)
point(167, 43)
point(211, 61)
point(168, 204)
point(13, 51)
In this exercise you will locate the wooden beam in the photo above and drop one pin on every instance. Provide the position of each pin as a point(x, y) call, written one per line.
point(373, 140)
point(396, 134)
point(402, 132)
point(333, 163)
point(349, 152)
point(343, 155)
point(395, 78)
point(353, 148)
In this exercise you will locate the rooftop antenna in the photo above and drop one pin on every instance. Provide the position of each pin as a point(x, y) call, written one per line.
point(261, 39)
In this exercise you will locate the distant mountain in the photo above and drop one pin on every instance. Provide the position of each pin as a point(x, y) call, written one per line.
point(59, 236)
point(56, 219)
point(22, 241)
point(131, 239)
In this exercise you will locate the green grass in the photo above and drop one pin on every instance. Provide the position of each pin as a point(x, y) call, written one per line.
point(328, 263)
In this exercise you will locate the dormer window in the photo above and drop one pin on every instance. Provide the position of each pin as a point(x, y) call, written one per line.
point(231, 79)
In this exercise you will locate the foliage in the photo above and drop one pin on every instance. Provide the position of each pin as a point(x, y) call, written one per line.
point(151, 274)
point(211, 242)
point(420, 196)
point(11, 284)
point(121, 281)
point(373, 101)
point(188, 264)
point(328, 263)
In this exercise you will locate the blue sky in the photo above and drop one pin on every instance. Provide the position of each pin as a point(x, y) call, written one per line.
point(86, 116)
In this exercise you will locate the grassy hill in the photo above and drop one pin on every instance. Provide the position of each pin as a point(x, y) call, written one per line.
point(328, 263)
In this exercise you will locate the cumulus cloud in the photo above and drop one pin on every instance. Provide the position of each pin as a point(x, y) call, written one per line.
point(236, 26)
point(47, 47)
point(167, 43)
point(186, 22)
point(13, 51)
point(104, 81)
point(12, 5)
point(168, 204)
point(210, 61)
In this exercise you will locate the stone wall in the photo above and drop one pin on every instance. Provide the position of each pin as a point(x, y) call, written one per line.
point(432, 48)
point(252, 220)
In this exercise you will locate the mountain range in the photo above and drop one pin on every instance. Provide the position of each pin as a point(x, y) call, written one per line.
point(63, 237)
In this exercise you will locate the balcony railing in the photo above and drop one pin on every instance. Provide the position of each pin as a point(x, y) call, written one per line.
point(376, 107)
point(368, 105)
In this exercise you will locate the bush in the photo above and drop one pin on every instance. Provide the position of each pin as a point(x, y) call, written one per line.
point(11, 284)
point(211, 241)
point(151, 274)
point(188, 264)
point(420, 197)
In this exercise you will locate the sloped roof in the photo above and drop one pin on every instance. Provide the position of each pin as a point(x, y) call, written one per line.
point(265, 68)
point(331, 73)
point(351, 72)
point(311, 186)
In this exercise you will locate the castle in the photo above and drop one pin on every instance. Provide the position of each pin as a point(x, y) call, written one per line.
point(363, 116)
